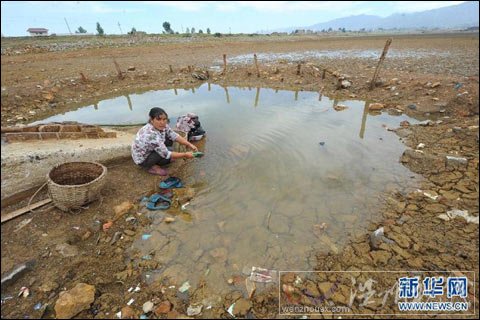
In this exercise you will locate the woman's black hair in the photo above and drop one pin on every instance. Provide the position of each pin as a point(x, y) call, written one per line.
point(156, 112)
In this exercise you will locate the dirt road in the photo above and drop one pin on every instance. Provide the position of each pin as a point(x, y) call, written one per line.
point(427, 76)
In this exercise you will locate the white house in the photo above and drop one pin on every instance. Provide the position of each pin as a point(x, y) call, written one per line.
point(38, 31)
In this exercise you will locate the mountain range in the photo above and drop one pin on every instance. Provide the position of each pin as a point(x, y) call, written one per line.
point(459, 16)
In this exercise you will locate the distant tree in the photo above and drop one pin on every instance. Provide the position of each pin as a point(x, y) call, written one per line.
point(100, 31)
point(81, 30)
point(200, 31)
point(330, 29)
point(208, 30)
point(217, 34)
point(166, 26)
point(193, 30)
point(343, 29)
point(133, 31)
point(187, 31)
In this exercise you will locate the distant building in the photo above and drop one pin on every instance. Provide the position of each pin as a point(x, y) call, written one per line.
point(38, 31)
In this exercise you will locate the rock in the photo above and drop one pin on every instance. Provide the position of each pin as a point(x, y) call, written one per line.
point(401, 252)
point(325, 288)
point(147, 306)
point(340, 107)
point(72, 302)
point(121, 209)
point(241, 308)
point(401, 239)
point(131, 68)
point(67, 250)
point(376, 106)
point(129, 313)
point(219, 253)
point(346, 84)
point(436, 84)
point(435, 208)
point(163, 307)
point(194, 310)
point(250, 286)
point(444, 217)
point(48, 286)
point(380, 257)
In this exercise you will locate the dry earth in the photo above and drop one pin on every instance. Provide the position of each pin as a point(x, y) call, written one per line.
point(42, 77)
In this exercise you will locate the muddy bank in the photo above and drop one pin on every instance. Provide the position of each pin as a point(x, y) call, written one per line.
point(425, 229)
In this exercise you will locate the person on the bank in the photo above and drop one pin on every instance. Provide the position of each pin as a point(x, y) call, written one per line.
point(150, 147)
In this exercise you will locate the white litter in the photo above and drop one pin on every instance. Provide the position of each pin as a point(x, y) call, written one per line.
point(130, 302)
point(462, 213)
point(230, 310)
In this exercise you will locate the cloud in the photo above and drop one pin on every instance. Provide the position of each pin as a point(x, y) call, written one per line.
point(415, 6)
point(262, 6)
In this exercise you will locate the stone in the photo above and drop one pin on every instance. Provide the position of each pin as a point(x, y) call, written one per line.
point(129, 313)
point(121, 209)
point(163, 307)
point(250, 286)
point(67, 250)
point(380, 257)
point(376, 106)
point(72, 302)
point(241, 308)
point(147, 306)
point(402, 240)
point(435, 208)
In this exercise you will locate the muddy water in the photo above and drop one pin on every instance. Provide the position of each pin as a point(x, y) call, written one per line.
point(284, 176)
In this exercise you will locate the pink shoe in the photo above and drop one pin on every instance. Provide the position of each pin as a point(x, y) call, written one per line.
point(158, 171)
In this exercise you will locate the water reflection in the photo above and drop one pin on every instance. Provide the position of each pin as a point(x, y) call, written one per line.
point(273, 172)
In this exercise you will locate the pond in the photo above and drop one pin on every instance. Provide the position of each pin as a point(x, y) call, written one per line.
point(284, 176)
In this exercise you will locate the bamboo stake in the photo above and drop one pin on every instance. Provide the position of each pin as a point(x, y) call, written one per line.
point(119, 72)
point(382, 57)
point(224, 64)
point(84, 79)
point(256, 64)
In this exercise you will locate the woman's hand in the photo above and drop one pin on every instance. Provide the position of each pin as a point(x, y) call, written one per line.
point(188, 155)
point(193, 147)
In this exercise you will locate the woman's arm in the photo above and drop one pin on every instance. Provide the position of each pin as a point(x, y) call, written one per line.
point(176, 155)
point(185, 142)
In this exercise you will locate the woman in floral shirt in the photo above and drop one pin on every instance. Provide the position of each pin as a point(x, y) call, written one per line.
point(149, 150)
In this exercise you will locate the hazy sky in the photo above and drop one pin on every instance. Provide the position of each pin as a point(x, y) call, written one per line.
point(219, 16)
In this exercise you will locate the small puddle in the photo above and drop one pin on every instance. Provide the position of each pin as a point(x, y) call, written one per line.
point(334, 54)
point(284, 176)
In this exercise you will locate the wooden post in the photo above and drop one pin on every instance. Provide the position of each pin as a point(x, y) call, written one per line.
point(224, 64)
point(323, 73)
point(257, 96)
point(298, 69)
point(296, 95)
point(129, 102)
point(189, 68)
point(227, 95)
point(119, 72)
point(84, 79)
point(170, 67)
point(382, 57)
point(256, 64)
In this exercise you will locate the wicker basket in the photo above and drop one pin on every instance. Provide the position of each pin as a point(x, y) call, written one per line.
point(73, 184)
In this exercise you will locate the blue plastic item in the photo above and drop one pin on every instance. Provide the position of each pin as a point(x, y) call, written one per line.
point(163, 202)
point(172, 182)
